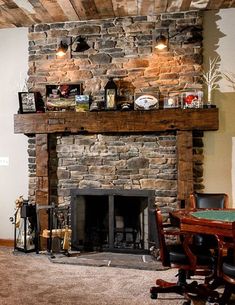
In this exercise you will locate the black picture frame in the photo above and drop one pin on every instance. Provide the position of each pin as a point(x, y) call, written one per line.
point(28, 102)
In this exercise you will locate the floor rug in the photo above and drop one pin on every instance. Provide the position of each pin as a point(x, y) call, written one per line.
point(108, 259)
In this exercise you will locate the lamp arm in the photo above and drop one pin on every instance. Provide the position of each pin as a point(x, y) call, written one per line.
point(73, 40)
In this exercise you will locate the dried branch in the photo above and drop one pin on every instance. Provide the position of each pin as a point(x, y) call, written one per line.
point(212, 76)
point(230, 77)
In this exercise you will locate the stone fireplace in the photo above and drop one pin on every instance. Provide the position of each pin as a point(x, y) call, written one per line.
point(157, 161)
point(112, 183)
point(107, 152)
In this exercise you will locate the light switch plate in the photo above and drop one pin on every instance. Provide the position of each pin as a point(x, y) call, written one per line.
point(4, 161)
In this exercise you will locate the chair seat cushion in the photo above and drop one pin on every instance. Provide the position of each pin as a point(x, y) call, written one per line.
point(229, 269)
point(204, 240)
point(177, 255)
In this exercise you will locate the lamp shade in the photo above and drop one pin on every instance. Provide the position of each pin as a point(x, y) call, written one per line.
point(161, 42)
point(81, 45)
point(61, 51)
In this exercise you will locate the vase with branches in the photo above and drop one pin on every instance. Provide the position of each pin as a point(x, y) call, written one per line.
point(211, 77)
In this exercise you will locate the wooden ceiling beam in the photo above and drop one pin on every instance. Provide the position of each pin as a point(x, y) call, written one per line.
point(214, 4)
point(146, 7)
point(16, 16)
point(85, 9)
point(68, 10)
point(105, 8)
point(4, 21)
point(18, 13)
point(41, 13)
point(161, 6)
point(174, 6)
point(185, 5)
point(228, 4)
point(90, 9)
point(54, 10)
point(199, 4)
point(132, 8)
point(120, 8)
point(9, 4)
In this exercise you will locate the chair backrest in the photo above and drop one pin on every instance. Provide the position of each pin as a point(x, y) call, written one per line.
point(209, 200)
point(161, 239)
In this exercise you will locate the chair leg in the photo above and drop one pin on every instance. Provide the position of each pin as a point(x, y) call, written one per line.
point(228, 289)
point(183, 288)
point(182, 277)
point(167, 287)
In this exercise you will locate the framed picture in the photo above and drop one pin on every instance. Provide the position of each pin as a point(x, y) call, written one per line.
point(62, 97)
point(28, 102)
point(82, 103)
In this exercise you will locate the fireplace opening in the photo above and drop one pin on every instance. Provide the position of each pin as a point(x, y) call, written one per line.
point(130, 222)
point(112, 220)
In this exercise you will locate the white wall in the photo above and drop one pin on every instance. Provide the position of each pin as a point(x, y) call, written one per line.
point(219, 40)
point(14, 177)
point(233, 167)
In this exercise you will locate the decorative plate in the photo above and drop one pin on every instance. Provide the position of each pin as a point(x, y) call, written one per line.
point(146, 102)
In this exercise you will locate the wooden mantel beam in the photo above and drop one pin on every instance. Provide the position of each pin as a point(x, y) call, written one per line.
point(117, 121)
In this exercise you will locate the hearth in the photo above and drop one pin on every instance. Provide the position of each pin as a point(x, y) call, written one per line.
point(110, 219)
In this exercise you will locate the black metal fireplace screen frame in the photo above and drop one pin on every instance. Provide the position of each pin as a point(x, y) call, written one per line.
point(149, 195)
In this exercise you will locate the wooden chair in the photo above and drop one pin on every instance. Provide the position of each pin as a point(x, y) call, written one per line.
point(227, 272)
point(209, 201)
point(185, 259)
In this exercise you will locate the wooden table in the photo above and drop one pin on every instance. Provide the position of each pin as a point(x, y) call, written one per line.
point(220, 223)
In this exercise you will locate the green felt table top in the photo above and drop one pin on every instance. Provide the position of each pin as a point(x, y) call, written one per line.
point(221, 215)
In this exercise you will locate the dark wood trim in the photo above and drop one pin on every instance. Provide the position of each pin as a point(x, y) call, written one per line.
point(42, 180)
point(185, 165)
point(7, 243)
point(117, 121)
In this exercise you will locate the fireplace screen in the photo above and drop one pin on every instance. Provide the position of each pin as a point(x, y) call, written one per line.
point(110, 221)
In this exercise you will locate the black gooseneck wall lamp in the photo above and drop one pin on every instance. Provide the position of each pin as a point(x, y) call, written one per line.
point(193, 34)
point(82, 46)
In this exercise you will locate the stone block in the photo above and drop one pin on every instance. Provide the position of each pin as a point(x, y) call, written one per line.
point(41, 27)
point(62, 173)
point(101, 58)
point(136, 163)
point(85, 29)
point(137, 63)
point(89, 184)
point(158, 184)
point(101, 170)
point(157, 161)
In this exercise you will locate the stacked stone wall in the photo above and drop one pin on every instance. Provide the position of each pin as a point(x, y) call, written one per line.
point(123, 48)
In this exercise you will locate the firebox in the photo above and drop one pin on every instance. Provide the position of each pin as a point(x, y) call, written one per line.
point(115, 220)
